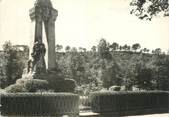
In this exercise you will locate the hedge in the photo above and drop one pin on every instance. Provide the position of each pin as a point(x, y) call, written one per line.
point(124, 103)
point(39, 104)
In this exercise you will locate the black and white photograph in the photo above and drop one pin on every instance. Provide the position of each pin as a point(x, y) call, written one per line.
point(84, 58)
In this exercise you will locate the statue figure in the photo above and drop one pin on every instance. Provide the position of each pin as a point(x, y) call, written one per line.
point(38, 53)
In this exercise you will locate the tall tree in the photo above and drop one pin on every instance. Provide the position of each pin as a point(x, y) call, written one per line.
point(14, 66)
point(103, 49)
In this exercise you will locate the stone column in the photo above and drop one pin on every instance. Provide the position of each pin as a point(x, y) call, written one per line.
point(36, 20)
point(51, 40)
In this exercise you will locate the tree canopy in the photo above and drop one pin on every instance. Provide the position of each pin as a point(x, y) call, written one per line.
point(147, 9)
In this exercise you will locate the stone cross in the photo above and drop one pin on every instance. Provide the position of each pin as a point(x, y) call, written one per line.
point(41, 14)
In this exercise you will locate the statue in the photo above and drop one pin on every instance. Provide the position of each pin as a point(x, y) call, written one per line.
point(37, 63)
point(38, 53)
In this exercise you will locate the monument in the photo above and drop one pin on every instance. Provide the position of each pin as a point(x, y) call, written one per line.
point(43, 17)
point(42, 69)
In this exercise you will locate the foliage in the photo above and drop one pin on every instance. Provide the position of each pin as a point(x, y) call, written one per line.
point(69, 85)
point(110, 73)
point(14, 66)
point(136, 46)
point(146, 9)
point(114, 46)
point(34, 85)
point(144, 79)
point(103, 49)
point(67, 48)
point(129, 68)
point(15, 88)
point(58, 47)
point(96, 70)
point(161, 73)
point(115, 88)
point(27, 85)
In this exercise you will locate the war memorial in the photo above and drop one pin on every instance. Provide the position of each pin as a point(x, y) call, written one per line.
point(63, 101)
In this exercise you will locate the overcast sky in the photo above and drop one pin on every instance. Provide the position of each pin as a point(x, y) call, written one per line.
point(82, 23)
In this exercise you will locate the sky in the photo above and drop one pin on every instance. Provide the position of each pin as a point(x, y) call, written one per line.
point(82, 23)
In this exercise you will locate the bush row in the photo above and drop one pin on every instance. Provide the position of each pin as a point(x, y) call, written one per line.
point(125, 102)
point(39, 104)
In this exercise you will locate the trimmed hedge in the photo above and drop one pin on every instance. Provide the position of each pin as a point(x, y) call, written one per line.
point(39, 104)
point(124, 103)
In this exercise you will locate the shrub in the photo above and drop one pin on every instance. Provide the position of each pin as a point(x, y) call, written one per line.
point(62, 85)
point(16, 88)
point(35, 84)
point(28, 85)
point(56, 84)
point(69, 85)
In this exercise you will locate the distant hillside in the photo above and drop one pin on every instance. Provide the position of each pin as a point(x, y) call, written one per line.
point(103, 67)
point(130, 69)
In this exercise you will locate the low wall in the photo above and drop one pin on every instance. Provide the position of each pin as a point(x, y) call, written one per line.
point(40, 104)
point(129, 103)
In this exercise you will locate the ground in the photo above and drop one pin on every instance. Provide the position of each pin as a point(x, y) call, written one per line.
point(152, 115)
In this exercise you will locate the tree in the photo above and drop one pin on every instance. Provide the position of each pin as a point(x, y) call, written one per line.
point(128, 48)
point(58, 47)
point(120, 48)
point(146, 9)
point(144, 50)
point(144, 78)
point(110, 73)
point(136, 46)
point(81, 49)
point(84, 49)
point(14, 66)
point(114, 46)
point(74, 50)
point(125, 47)
point(103, 49)
point(157, 51)
point(93, 48)
point(161, 74)
point(67, 48)
point(7, 47)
